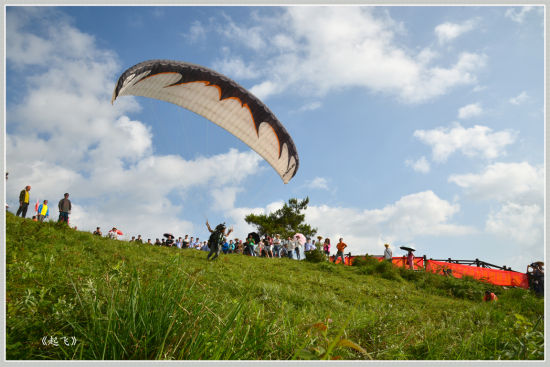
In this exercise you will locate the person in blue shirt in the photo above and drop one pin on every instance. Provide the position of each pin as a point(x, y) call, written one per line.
point(225, 247)
point(43, 211)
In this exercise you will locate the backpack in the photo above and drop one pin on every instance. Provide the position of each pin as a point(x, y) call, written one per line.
point(216, 237)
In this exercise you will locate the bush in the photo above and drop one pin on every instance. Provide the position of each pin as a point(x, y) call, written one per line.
point(364, 261)
point(315, 256)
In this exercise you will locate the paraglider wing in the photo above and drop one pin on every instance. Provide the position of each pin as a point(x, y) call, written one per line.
point(119, 232)
point(219, 99)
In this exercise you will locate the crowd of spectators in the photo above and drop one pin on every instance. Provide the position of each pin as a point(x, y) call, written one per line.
point(253, 245)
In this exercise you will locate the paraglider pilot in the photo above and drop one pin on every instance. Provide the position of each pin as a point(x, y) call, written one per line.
point(216, 239)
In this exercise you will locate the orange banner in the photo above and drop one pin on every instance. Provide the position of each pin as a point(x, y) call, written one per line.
point(493, 276)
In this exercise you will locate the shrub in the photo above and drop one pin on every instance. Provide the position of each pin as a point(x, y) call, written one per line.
point(315, 256)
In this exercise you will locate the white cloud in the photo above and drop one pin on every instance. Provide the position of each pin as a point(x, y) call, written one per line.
point(421, 165)
point(519, 99)
point(470, 110)
point(518, 15)
point(519, 188)
point(447, 32)
point(322, 49)
point(196, 32)
point(235, 68)
point(472, 142)
point(311, 106)
point(523, 224)
point(65, 136)
point(517, 182)
point(420, 214)
point(318, 183)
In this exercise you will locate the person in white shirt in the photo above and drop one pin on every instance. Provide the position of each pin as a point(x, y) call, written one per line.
point(387, 253)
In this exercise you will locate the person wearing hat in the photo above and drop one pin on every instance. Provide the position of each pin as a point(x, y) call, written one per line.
point(387, 253)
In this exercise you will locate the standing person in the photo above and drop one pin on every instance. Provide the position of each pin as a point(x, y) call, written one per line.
point(139, 239)
point(216, 239)
point(64, 209)
point(340, 246)
point(319, 244)
point(277, 245)
point(250, 244)
point(149, 241)
point(43, 211)
point(231, 247)
point(309, 245)
point(290, 245)
point(179, 242)
point(297, 247)
point(97, 232)
point(186, 241)
point(387, 253)
point(113, 234)
point(23, 202)
point(410, 260)
point(239, 246)
point(269, 247)
point(326, 247)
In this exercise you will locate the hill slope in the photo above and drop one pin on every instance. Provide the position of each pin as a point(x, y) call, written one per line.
point(117, 300)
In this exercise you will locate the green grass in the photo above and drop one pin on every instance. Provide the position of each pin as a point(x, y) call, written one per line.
point(124, 301)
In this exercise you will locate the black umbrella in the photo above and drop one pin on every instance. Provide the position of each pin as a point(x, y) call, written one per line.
point(168, 235)
point(255, 236)
point(407, 248)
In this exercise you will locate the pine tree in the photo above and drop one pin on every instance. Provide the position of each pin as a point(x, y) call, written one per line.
point(286, 221)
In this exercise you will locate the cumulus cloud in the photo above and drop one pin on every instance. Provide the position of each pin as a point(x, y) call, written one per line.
point(447, 32)
point(421, 165)
point(519, 189)
point(469, 111)
point(323, 49)
point(419, 214)
point(517, 182)
point(472, 142)
point(65, 136)
point(318, 183)
point(521, 223)
point(519, 99)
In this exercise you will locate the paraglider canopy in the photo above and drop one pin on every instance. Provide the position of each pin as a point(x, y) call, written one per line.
point(220, 100)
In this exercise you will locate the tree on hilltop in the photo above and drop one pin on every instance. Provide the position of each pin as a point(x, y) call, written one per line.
point(286, 221)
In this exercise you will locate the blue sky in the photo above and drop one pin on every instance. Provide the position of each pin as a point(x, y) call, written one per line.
point(414, 124)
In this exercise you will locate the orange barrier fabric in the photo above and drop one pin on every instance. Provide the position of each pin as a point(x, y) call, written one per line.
point(493, 276)
point(347, 259)
point(418, 262)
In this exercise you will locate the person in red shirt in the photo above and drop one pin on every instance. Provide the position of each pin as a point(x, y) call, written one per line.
point(490, 296)
point(340, 247)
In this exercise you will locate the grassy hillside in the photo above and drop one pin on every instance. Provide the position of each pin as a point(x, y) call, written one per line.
point(119, 300)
